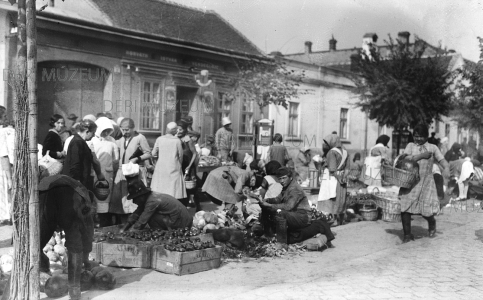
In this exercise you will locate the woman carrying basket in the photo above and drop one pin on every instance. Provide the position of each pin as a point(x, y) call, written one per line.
point(422, 198)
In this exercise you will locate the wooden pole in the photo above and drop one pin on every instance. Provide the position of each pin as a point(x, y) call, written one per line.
point(34, 224)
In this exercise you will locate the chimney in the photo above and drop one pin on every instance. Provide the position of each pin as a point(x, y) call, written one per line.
point(332, 43)
point(308, 47)
point(51, 3)
point(403, 37)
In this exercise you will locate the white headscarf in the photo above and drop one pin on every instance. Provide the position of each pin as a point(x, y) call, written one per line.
point(103, 123)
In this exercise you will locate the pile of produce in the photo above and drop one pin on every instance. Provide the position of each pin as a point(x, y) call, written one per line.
point(209, 161)
point(258, 247)
point(149, 235)
point(185, 245)
point(55, 249)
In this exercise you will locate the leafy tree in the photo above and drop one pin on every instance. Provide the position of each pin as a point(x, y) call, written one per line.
point(469, 109)
point(403, 88)
point(267, 82)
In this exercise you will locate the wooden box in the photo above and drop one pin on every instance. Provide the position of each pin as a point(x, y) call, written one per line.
point(125, 255)
point(182, 263)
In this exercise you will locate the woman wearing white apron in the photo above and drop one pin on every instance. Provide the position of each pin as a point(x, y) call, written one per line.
point(378, 155)
point(333, 188)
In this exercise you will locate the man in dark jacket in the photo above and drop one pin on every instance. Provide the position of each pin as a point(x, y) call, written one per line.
point(159, 211)
point(65, 203)
point(293, 207)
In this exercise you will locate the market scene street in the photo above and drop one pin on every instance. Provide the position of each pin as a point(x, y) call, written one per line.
point(250, 149)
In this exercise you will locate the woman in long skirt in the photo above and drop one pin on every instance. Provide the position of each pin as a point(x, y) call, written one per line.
point(422, 199)
point(333, 189)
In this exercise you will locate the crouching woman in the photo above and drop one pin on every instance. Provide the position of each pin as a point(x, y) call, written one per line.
point(422, 198)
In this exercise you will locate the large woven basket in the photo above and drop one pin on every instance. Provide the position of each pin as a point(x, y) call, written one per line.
point(369, 214)
point(388, 217)
point(398, 177)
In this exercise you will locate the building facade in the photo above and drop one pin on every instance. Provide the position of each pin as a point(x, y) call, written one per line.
point(138, 59)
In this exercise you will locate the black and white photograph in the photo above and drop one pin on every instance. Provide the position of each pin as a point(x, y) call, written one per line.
point(241, 149)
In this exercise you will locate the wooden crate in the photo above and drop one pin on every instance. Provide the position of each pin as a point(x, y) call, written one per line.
point(182, 263)
point(125, 255)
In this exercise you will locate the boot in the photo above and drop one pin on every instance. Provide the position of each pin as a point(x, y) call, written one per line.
point(408, 238)
point(74, 274)
point(432, 226)
point(341, 219)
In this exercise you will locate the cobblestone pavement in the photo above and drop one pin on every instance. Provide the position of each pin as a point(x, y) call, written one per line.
point(449, 266)
point(369, 262)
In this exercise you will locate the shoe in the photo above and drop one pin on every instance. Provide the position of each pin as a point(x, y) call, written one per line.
point(329, 245)
point(408, 238)
point(432, 233)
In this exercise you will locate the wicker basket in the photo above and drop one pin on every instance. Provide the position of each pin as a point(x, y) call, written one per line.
point(101, 193)
point(369, 214)
point(398, 177)
point(190, 184)
point(388, 217)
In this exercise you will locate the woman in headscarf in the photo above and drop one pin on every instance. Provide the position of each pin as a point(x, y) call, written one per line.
point(302, 162)
point(454, 153)
point(107, 153)
point(378, 155)
point(422, 198)
point(225, 184)
point(333, 189)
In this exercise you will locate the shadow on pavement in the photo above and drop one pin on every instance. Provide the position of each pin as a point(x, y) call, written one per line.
point(418, 232)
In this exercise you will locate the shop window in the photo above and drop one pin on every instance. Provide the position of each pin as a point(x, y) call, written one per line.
point(293, 119)
point(223, 109)
point(246, 123)
point(150, 107)
point(436, 127)
point(446, 130)
point(344, 123)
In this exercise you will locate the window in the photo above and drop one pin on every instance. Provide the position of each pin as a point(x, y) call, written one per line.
point(436, 127)
point(293, 119)
point(246, 124)
point(344, 123)
point(150, 106)
point(446, 130)
point(223, 108)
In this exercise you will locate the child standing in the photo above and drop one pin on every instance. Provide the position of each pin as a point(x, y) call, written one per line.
point(278, 152)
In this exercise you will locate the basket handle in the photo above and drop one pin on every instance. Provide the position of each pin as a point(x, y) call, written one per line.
point(97, 182)
point(397, 158)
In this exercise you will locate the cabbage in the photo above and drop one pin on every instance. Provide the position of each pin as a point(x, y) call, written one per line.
point(105, 280)
point(210, 218)
point(57, 286)
point(59, 249)
point(42, 280)
point(87, 280)
point(47, 248)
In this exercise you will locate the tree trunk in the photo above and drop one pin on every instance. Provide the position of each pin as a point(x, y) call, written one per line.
point(34, 224)
point(19, 288)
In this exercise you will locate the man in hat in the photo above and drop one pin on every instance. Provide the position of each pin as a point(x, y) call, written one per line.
point(224, 141)
point(293, 206)
point(189, 122)
point(159, 211)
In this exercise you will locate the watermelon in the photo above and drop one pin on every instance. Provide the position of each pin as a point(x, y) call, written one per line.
point(57, 286)
point(87, 280)
point(96, 270)
point(105, 280)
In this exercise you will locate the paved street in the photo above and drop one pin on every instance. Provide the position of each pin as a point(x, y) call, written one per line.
point(369, 262)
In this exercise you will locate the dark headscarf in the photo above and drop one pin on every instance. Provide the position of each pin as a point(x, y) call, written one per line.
point(453, 153)
point(357, 156)
point(272, 166)
point(383, 139)
point(182, 123)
